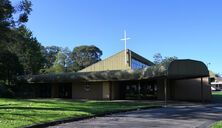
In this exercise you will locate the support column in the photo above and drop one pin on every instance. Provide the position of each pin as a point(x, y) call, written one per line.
point(110, 91)
point(139, 90)
point(202, 97)
point(165, 92)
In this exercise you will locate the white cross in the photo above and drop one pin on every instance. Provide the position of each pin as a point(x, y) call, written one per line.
point(125, 39)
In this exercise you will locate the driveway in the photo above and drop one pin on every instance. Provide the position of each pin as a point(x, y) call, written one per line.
point(173, 116)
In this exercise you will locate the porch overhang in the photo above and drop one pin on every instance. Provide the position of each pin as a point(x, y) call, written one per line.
point(177, 69)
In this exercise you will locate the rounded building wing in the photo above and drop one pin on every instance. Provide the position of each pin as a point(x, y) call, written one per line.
point(187, 69)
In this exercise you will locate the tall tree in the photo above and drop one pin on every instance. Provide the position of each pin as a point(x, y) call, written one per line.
point(9, 67)
point(167, 60)
point(6, 12)
point(157, 58)
point(28, 50)
point(84, 56)
point(61, 63)
point(50, 53)
point(8, 19)
point(63, 60)
point(11, 18)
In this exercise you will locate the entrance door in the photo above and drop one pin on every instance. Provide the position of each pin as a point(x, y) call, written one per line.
point(65, 90)
point(43, 91)
point(140, 90)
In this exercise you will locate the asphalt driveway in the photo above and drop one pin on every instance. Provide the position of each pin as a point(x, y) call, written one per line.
point(173, 116)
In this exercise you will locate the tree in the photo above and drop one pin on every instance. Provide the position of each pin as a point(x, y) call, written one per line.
point(7, 11)
point(25, 9)
point(8, 19)
point(83, 56)
point(28, 50)
point(61, 63)
point(50, 53)
point(9, 67)
point(63, 59)
point(167, 60)
point(11, 19)
point(157, 58)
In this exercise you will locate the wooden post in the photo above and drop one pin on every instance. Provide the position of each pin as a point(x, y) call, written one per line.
point(110, 91)
point(139, 90)
point(165, 92)
point(201, 81)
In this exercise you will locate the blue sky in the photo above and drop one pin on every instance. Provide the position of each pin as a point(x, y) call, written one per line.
point(188, 29)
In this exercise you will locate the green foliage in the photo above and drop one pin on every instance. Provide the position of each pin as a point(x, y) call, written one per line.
point(49, 53)
point(6, 11)
point(60, 60)
point(27, 53)
point(167, 60)
point(56, 69)
point(63, 58)
point(158, 59)
point(28, 50)
point(9, 20)
point(9, 67)
point(5, 91)
point(20, 51)
point(25, 8)
point(20, 112)
point(84, 56)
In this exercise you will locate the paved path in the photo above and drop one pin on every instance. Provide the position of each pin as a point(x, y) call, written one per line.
point(173, 116)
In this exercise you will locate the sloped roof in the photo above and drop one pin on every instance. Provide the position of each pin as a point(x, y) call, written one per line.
point(177, 69)
point(219, 79)
point(117, 62)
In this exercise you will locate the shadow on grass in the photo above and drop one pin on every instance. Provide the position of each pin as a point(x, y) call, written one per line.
point(70, 106)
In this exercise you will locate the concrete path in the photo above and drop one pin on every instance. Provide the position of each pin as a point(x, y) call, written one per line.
point(173, 116)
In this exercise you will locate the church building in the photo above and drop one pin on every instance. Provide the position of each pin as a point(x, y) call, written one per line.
point(125, 76)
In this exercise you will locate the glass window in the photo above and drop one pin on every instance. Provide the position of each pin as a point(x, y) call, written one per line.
point(135, 64)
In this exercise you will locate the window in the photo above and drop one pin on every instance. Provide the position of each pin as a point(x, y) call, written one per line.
point(135, 64)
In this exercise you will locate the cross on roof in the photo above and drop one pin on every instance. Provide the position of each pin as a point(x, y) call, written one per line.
point(125, 39)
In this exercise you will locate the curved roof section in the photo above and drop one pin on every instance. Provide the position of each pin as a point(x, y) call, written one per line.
point(177, 69)
point(187, 68)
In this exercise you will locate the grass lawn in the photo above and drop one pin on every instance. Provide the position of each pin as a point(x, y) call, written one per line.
point(217, 125)
point(24, 112)
point(217, 97)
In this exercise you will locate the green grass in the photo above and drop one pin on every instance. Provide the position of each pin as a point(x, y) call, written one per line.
point(217, 125)
point(25, 112)
point(217, 97)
